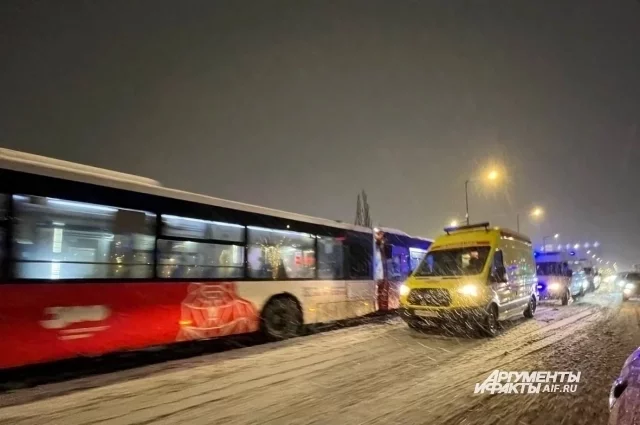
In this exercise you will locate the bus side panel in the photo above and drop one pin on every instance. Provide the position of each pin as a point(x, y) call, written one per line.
point(45, 322)
point(362, 297)
point(320, 301)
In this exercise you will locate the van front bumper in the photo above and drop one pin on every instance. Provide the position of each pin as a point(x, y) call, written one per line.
point(458, 315)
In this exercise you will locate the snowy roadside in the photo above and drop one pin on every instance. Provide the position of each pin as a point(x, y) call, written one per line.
point(374, 374)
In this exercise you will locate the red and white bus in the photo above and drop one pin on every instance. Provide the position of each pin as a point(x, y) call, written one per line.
point(95, 261)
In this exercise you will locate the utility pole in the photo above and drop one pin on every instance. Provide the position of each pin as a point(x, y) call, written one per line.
point(359, 218)
point(366, 215)
point(466, 199)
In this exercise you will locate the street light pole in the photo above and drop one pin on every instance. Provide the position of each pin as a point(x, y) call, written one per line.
point(535, 213)
point(493, 175)
point(466, 199)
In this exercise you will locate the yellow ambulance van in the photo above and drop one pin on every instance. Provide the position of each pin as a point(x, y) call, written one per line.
point(475, 275)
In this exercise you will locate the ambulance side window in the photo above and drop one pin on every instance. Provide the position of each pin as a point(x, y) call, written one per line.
point(498, 271)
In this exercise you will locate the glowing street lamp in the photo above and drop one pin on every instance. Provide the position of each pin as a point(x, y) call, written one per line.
point(492, 175)
point(535, 213)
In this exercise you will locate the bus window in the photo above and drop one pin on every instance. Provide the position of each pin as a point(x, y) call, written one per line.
point(192, 228)
point(60, 239)
point(199, 260)
point(330, 258)
point(279, 254)
point(398, 265)
point(416, 257)
point(360, 253)
point(200, 257)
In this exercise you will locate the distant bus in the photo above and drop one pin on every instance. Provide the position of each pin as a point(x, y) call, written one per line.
point(403, 253)
point(94, 261)
point(559, 277)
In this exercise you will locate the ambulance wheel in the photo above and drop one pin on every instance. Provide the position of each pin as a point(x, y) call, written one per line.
point(490, 326)
point(531, 308)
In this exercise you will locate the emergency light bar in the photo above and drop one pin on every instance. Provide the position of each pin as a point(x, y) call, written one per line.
point(467, 227)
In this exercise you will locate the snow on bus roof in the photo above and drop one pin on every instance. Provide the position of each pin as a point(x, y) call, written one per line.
point(28, 160)
point(51, 167)
point(400, 232)
point(391, 230)
point(423, 238)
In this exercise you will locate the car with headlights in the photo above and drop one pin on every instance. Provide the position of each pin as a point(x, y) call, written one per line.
point(475, 275)
point(597, 281)
point(629, 283)
point(556, 279)
point(624, 396)
point(610, 280)
point(580, 284)
point(594, 278)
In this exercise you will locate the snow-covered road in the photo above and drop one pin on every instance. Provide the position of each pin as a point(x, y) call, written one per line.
point(379, 373)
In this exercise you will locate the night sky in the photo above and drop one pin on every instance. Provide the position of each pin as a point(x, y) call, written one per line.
point(299, 105)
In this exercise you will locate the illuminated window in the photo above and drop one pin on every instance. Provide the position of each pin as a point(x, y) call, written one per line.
point(200, 257)
point(61, 239)
point(278, 254)
point(57, 240)
point(198, 260)
point(330, 258)
point(192, 228)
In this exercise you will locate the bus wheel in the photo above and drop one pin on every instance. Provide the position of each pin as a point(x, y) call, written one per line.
point(531, 308)
point(565, 297)
point(281, 319)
